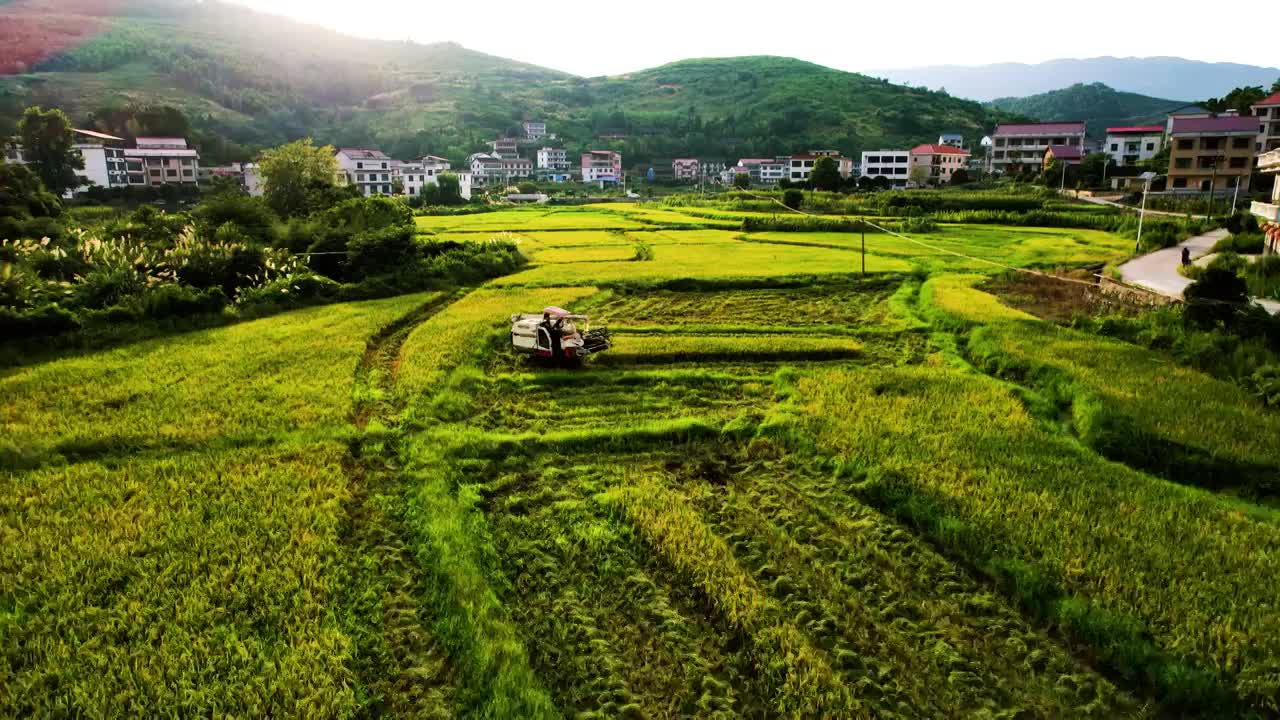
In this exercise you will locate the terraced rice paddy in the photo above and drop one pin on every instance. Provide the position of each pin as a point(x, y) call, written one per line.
point(789, 490)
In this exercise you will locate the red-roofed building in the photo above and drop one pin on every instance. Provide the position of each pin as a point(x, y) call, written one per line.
point(1131, 145)
point(1016, 147)
point(1212, 153)
point(941, 161)
point(1267, 111)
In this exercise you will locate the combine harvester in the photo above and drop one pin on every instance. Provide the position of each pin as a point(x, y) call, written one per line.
point(558, 335)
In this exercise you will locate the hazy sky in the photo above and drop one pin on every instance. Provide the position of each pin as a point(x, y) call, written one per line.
point(590, 37)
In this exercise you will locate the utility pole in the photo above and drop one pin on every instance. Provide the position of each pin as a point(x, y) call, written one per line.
point(1236, 195)
point(1142, 214)
point(863, 225)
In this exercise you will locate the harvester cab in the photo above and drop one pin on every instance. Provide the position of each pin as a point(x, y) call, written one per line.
point(557, 334)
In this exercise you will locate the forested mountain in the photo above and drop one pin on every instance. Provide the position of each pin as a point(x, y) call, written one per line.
point(1100, 106)
point(246, 79)
point(1152, 76)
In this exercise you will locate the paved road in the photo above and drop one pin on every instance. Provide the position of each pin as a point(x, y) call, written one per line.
point(1110, 203)
point(1159, 270)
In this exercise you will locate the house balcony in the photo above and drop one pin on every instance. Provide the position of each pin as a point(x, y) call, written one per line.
point(1269, 162)
point(1266, 211)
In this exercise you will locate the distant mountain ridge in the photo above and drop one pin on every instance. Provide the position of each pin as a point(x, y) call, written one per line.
point(1097, 104)
point(1152, 76)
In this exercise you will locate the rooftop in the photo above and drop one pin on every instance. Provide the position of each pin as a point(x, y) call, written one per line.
point(1183, 126)
point(1066, 152)
point(1273, 100)
point(938, 149)
point(364, 153)
point(98, 135)
point(1135, 130)
point(1051, 128)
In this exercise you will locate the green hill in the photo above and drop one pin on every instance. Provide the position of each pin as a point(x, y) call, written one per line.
point(1095, 103)
point(259, 80)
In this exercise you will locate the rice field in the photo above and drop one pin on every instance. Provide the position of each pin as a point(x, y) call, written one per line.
point(789, 490)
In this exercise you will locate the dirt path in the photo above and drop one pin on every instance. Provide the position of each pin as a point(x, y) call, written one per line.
point(1109, 203)
point(1158, 271)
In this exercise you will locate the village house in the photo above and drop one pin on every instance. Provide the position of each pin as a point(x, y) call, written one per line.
point(893, 165)
point(1128, 146)
point(1068, 155)
point(1211, 154)
point(1016, 147)
point(550, 158)
point(369, 169)
point(604, 166)
point(162, 161)
point(942, 161)
point(685, 168)
point(534, 131)
point(1267, 111)
point(1269, 212)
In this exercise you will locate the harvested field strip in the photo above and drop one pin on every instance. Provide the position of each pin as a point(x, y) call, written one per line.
point(839, 305)
point(799, 675)
point(612, 631)
point(638, 349)
point(891, 610)
point(1171, 586)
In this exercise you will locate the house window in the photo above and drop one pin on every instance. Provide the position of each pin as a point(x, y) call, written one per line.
point(1115, 146)
point(359, 166)
point(384, 165)
point(1210, 143)
point(1238, 162)
point(1151, 147)
point(1186, 144)
point(172, 173)
point(386, 176)
point(1240, 143)
point(999, 142)
point(1180, 183)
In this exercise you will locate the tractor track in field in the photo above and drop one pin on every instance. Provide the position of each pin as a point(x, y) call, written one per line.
point(401, 668)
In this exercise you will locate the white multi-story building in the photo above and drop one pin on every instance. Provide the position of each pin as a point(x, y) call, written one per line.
point(799, 167)
point(1021, 146)
point(601, 166)
point(105, 164)
point(685, 168)
point(534, 131)
point(368, 169)
point(766, 171)
point(491, 169)
point(162, 161)
point(1267, 111)
point(417, 175)
point(893, 165)
point(1128, 146)
point(955, 140)
point(550, 158)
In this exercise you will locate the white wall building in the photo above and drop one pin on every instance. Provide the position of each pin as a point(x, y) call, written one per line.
point(505, 148)
point(368, 169)
point(1129, 146)
point(534, 130)
point(550, 158)
point(955, 140)
point(894, 165)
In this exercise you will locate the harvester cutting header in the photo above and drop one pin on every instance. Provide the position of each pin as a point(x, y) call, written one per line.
point(557, 334)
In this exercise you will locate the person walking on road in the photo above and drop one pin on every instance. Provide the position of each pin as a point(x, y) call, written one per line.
point(1186, 256)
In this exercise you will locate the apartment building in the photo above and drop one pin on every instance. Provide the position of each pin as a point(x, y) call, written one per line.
point(766, 171)
point(1128, 146)
point(1269, 212)
point(534, 131)
point(800, 166)
point(493, 169)
point(1267, 111)
point(686, 169)
point(601, 166)
point(940, 160)
point(507, 148)
point(1211, 154)
point(955, 140)
point(1016, 147)
point(155, 161)
point(550, 158)
point(711, 168)
point(369, 169)
point(893, 165)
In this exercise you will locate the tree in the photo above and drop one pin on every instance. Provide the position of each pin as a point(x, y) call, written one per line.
point(27, 210)
point(290, 171)
point(1240, 99)
point(919, 176)
point(825, 175)
point(960, 177)
point(48, 145)
point(1275, 86)
point(742, 181)
point(1094, 168)
point(793, 199)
